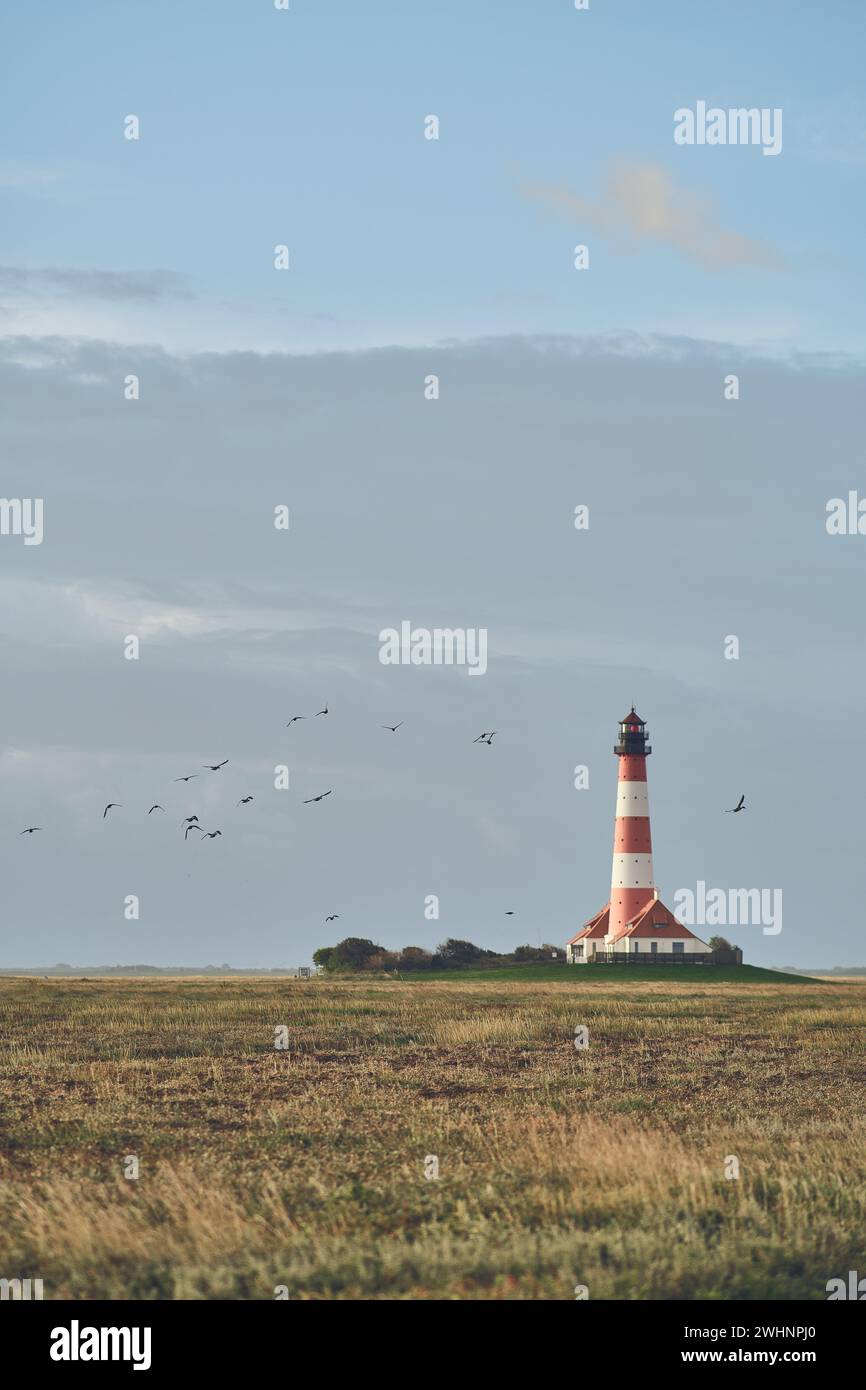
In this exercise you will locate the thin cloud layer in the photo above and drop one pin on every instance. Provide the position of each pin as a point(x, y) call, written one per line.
point(95, 284)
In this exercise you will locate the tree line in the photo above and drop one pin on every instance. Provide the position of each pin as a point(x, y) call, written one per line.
point(356, 953)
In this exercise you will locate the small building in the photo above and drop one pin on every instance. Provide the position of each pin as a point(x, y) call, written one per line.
point(654, 932)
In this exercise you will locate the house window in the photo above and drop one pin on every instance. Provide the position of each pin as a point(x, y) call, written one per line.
point(654, 946)
point(636, 947)
point(578, 951)
point(678, 948)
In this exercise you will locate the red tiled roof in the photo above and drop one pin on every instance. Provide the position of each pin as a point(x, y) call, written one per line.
point(596, 926)
point(659, 923)
point(632, 718)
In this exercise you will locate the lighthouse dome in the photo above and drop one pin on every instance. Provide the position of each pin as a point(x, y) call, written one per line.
point(632, 718)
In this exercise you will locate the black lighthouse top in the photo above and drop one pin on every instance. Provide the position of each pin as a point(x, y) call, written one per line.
point(633, 735)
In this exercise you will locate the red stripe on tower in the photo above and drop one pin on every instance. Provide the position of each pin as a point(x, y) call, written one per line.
point(631, 880)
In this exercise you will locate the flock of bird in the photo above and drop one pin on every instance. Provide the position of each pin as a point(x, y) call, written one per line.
point(190, 823)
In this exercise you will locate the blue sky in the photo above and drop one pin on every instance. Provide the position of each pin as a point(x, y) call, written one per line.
point(305, 388)
point(305, 127)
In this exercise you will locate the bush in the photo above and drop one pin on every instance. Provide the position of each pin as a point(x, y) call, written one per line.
point(454, 952)
point(415, 958)
point(382, 960)
point(539, 953)
point(353, 953)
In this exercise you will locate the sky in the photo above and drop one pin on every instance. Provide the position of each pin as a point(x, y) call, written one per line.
point(602, 387)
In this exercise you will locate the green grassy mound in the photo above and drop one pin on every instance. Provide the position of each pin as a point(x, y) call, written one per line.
point(559, 973)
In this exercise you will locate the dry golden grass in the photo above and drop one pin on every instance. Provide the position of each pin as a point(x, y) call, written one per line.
point(305, 1167)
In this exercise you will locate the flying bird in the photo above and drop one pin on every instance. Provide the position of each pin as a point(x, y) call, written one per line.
point(244, 799)
point(294, 719)
point(109, 806)
point(509, 914)
point(186, 779)
point(30, 829)
point(215, 767)
point(318, 798)
point(393, 727)
point(210, 834)
point(156, 807)
point(189, 828)
point(188, 819)
point(333, 917)
point(732, 810)
point(485, 738)
point(322, 711)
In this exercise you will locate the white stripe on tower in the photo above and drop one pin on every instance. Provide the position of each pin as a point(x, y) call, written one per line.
point(632, 871)
point(631, 884)
point(632, 799)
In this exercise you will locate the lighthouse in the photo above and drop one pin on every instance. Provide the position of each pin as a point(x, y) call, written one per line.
point(631, 879)
point(634, 924)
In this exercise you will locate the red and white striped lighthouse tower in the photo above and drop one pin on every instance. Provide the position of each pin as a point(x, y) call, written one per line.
point(634, 924)
point(631, 880)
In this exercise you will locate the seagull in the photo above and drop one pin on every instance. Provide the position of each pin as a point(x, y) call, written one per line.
point(485, 738)
point(318, 798)
point(186, 779)
point(210, 834)
point(30, 829)
point(732, 810)
point(509, 914)
point(189, 828)
point(156, 807)
point(333, 918)
point(322, 711)
point(393, 727)
point(109, 806)
point(244, 799)
point(188, 819)
point(215, 767)
point(294, 719)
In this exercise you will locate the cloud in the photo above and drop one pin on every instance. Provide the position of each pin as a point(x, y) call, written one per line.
point(159, 523)
point(146, 285)
point(642, 204)
point(21, 178)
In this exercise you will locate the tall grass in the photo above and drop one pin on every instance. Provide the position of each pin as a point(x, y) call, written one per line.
point(306, 1167)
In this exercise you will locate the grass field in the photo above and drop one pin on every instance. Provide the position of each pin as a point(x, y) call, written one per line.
point(305, 1167)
